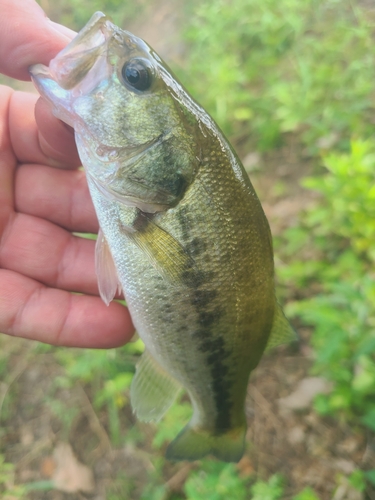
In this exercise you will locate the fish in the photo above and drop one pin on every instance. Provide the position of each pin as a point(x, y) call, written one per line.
point(182, 233)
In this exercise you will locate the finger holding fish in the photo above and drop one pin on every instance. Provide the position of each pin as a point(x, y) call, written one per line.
point(18, 23)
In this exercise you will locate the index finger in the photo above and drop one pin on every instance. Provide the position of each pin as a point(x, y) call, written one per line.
point(40, 138)
point(28, 37)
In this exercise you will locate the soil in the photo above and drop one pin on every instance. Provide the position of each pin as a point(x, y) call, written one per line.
point(298, 444)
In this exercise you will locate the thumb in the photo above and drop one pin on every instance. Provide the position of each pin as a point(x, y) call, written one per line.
point(28, 37)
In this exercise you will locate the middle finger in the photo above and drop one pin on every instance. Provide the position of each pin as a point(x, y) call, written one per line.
point(49, 254)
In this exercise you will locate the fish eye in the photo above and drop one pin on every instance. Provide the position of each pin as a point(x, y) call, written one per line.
point(137, 74)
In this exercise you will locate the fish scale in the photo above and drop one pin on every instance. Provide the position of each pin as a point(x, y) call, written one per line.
point(181, 229)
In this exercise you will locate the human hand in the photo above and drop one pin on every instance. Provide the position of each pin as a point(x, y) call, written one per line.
point(43, 199)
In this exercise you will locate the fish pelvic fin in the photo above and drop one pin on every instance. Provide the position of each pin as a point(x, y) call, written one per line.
point(106, 272)
point(153, 390)
point(282, 332)
point(194, 443)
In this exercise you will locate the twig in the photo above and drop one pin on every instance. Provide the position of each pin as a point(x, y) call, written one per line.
point(14, 375)
point(29, 457)
point(176, 482)
point(261, 401)
point(94, 421)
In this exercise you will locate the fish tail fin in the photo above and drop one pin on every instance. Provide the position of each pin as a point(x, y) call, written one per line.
point(194, 443)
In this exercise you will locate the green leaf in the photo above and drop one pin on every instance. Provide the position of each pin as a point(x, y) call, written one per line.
point(271, 490)
point(369, 418)
point(370, 476)
point(357, 480)
point(306, 494)
point(215, 481)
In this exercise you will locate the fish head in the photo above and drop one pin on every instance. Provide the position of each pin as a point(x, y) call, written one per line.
point(135, 127)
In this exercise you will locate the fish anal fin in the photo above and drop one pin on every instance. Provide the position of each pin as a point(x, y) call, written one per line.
point(106, 272)
point(153, 390)
point(193, 444)
point(282, 332)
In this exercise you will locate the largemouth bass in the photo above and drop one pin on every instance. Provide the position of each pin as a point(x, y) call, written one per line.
point(181, 231)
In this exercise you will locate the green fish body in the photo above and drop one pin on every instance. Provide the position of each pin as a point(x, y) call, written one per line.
point(182, 232)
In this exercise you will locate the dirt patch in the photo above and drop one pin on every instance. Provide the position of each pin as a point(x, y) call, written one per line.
point(306, 449)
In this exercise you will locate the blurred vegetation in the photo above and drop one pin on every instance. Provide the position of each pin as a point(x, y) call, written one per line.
point(264, 70)
point(340, 226)
point(270, 67)
point(76, 13)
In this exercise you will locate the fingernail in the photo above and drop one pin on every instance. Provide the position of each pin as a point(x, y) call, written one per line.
point(63, 30)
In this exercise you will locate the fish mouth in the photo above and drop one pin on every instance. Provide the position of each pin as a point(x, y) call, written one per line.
point(77, 69)
point(116, 158)
point(71, 65)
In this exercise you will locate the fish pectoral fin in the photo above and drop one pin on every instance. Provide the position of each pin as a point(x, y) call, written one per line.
point(282, 332)
point(153, 390)
point(165, 253)
point(106, 272)
point(194, 444)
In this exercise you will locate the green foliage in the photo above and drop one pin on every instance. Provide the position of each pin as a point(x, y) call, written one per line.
point(121, 488)
point(4, 361)
point(283, 66)
point(357, 480)
point(306, 494)
point(89, 365)
point(11, 491)
point(370, 476)
point(108, 373)
point(216, 481)
point(172, 423)
point(76, 13)
point(152, 492)
point(8, 490)
point(271, 490)
point(341, 227)
point(349, 198)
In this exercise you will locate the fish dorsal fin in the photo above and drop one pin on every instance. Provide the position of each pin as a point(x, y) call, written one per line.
point(282, 332)
point(165, 253)
point(153, 390)
point(106, 272)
